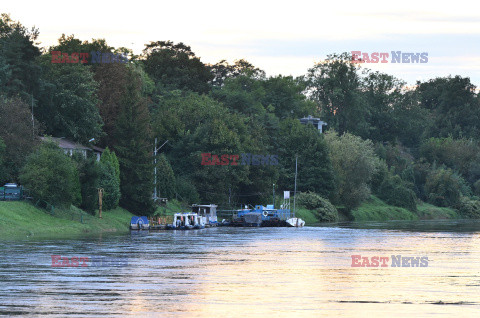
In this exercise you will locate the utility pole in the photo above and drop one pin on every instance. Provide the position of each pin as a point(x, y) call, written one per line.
point(100, 202)
point(33, 121)
point(274, 195)
point(155, 151)
point(295, 190)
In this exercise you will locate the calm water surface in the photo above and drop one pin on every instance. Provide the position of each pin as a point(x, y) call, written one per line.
point(265, 272)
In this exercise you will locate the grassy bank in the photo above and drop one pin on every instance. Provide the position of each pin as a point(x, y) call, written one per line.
point(375, 209)
point(22, 219)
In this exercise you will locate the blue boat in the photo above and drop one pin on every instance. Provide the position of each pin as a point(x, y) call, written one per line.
point(139, 223)
point(262, 216)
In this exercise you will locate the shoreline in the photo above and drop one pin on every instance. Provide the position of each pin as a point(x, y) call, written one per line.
point(19, 219)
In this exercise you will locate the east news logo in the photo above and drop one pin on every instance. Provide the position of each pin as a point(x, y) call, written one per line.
point(97, 57)
point(397, 57)
point(397, 261)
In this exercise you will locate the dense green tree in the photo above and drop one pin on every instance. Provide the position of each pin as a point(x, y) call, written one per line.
point(454, 105)
point(89, 174)
point(286, 96)
point(314, 166)
point(382, 94)
point(165, 178)
point(68, 103)
point(19, 132)
point(222, 70)
point(51, 176)
point(19, 71)
point(110, 184)
point(354, 163)
point(110, 158)
point(335, 86)
point(112, 82)
point(186, 191)
point(133, 149)
point(175, 66)
point(243, 94)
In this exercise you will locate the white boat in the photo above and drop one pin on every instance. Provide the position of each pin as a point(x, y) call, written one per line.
point(207, 213)
point(186, 221)
point(295, 222)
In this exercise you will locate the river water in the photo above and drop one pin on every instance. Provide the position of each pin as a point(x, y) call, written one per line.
point(254, 272)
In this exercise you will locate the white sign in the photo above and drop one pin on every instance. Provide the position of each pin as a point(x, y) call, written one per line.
point(286, 194)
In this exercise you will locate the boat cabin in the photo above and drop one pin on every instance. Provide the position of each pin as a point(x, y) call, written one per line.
point(186, 221)
point(207, 213)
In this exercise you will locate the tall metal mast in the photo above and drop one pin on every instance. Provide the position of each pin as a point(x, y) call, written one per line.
point(295, 190)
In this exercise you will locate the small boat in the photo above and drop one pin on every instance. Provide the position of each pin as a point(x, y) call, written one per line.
point(186, 221)
point(139, 223)
point(295, 222)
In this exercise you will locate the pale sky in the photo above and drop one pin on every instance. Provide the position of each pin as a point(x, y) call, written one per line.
point(279, 37)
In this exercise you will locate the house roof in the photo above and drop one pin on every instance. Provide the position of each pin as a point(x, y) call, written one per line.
point(68, 144)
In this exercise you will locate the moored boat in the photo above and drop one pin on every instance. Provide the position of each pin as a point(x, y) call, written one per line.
point(186, 221)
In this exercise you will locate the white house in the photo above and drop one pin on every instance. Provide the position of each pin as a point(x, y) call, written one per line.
point(71, 147)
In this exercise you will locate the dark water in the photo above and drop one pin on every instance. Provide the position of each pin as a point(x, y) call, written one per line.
point(266, 272)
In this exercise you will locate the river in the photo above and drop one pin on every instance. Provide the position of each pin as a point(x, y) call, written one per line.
point(254, 272)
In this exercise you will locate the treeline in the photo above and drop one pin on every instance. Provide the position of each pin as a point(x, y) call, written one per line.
point(402, 145)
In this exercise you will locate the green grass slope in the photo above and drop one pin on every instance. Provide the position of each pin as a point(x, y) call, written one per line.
point(375, 209)
point(22, 219)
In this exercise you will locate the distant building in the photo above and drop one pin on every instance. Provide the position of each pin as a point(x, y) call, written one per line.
point(71, 147)
point(314, 121)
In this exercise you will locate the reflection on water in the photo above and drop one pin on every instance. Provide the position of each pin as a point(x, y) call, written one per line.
point(279, 272)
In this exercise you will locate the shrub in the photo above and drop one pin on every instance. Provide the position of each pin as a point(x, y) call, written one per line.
point(444, 187)
point(51, 176)
point(109, 181)
point(395, 191)
point(469, 208)
point(324, 211)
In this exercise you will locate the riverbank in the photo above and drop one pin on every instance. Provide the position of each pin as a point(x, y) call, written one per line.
point(375, 209)
point(22, 219)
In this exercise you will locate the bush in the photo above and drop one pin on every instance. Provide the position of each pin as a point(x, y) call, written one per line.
point(324, 211)
point(444, 187)
point(395, 191)
point(109, 181)
point(469, 208)
point(51, 176)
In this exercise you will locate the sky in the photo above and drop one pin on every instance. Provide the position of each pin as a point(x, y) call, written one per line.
point(284, 38)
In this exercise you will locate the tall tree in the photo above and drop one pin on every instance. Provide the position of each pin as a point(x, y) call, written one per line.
point(175, 66)
point(453, 103)
point(68, 103)
point(354, 163)
point(222, 71)
point(165, 179)
point(133, 148)
point(112, 80)
point(20, 73)
point(314, 166)
point(19, 132)
point(335, 86)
